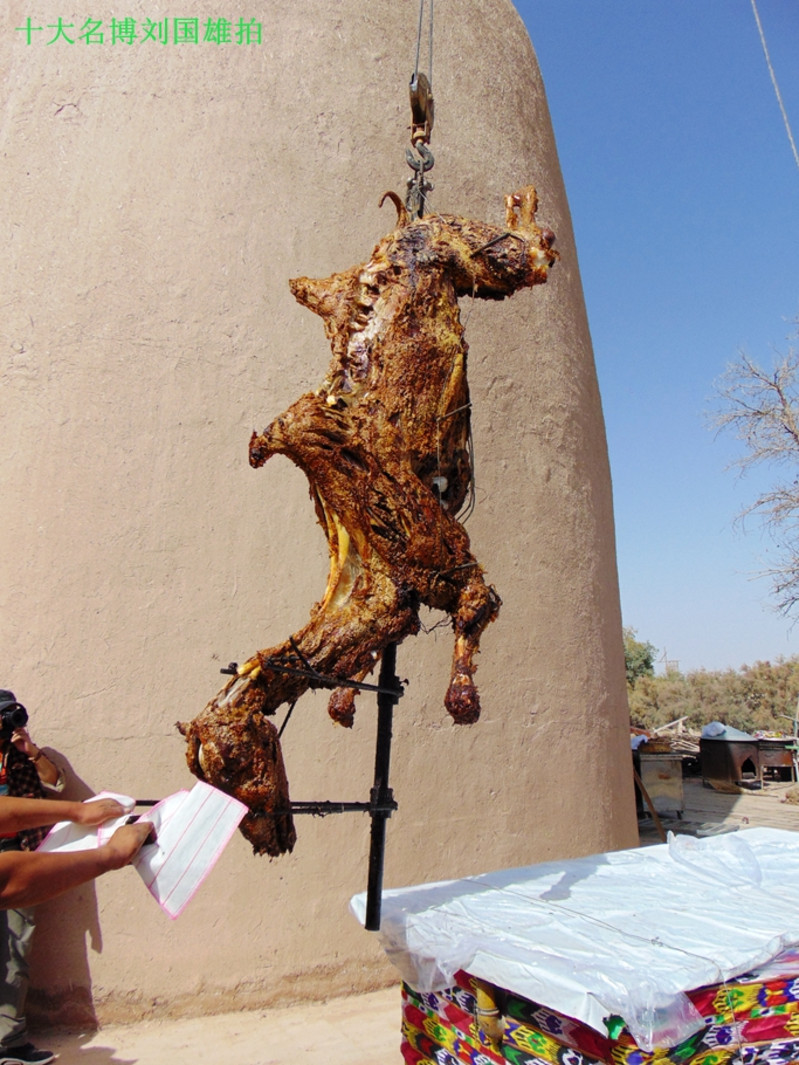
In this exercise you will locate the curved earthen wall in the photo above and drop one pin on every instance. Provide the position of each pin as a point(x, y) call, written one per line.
point(156, 200)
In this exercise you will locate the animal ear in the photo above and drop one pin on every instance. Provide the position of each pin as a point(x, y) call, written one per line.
point(520, 208)
point(326, 296)
point(313, 294)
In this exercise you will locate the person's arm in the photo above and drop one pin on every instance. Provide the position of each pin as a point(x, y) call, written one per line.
point(30, 877)
point(50, 775)
point(19, 814)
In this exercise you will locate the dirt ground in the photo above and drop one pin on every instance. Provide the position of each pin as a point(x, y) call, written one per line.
point(362, 1030)
point(710, 811)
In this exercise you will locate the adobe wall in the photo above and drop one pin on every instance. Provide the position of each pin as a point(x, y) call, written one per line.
point(156, 200)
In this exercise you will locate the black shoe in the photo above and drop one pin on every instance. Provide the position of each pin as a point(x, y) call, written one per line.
point(27, 1054)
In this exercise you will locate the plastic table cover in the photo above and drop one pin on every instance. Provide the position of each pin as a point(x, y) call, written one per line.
point(621, 934)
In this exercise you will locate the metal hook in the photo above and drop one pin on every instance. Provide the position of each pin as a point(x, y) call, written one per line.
point(418, 185)
point(423, 164)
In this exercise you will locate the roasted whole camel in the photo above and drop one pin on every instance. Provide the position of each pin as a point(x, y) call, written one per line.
point(384, 443)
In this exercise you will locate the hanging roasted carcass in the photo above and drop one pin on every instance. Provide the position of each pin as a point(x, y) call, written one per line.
point(385, 445)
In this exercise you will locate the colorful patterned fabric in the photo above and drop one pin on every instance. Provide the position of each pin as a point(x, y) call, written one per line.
point(753, 1021)
point(23, 783)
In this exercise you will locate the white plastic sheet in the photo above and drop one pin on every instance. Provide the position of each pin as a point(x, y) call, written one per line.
point(625, 933)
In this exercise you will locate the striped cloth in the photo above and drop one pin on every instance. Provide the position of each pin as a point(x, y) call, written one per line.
point(751, 1021)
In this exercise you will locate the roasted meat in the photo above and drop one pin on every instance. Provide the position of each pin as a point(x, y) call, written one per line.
point(385, 445)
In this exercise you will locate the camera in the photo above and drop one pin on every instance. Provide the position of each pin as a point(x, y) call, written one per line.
point(13, 715)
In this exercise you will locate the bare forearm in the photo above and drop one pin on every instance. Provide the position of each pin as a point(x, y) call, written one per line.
point(17, 815)
point(48, 771)
point(28, 878)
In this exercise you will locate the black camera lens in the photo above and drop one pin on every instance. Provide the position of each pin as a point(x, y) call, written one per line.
point(13, 717)
point(19, 717)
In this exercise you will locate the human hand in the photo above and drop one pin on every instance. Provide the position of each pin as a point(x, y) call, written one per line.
point(22, 741)
point(97, 811)
point(126, 843)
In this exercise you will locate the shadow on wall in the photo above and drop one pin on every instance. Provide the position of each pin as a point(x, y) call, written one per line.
point(63, 928)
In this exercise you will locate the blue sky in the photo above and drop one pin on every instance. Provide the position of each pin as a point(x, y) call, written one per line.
point(684, 194)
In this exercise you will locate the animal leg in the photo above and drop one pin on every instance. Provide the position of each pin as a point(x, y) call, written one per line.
point(478, 607)
point(341, 706)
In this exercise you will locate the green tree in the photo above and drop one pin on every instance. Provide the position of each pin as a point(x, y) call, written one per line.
point(639, 658)
point(761, 696)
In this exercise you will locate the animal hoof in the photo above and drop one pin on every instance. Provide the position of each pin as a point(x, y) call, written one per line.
point(462, 701)
point(341, 707)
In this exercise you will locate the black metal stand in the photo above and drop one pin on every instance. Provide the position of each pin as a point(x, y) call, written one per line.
point(381, 803)
point(381, 795)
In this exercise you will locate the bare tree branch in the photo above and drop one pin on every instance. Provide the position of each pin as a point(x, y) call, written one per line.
point(761, 409)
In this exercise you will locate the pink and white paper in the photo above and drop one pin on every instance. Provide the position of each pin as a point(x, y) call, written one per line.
point(192, 829)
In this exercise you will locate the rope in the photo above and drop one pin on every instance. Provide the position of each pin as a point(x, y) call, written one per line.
point(420, 160)
point(419, 43)
point(774, 83)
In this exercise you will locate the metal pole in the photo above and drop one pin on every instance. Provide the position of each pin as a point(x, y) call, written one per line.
point(381, 794)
